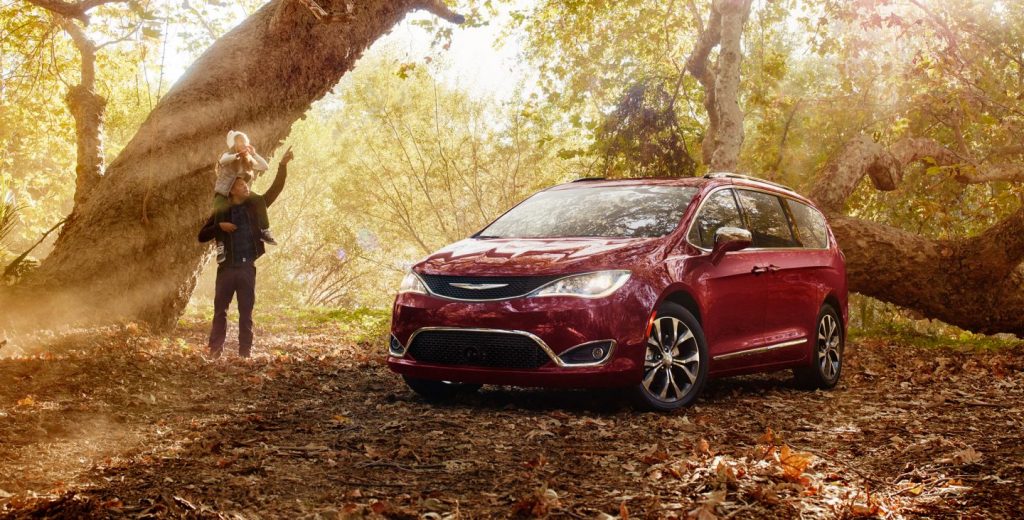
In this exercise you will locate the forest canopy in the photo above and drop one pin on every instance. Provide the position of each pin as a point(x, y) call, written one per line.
point(410, 152)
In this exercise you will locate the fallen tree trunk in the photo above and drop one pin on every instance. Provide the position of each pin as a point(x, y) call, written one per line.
point(975, 283)
point(129, 251)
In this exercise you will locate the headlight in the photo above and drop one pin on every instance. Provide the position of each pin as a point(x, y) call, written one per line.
point(412, 284)
point(589, 285)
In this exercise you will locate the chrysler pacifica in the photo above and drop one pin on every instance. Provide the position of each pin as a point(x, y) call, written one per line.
point(650, 285)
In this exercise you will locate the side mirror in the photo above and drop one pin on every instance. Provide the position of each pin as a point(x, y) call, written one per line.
point(729, 239)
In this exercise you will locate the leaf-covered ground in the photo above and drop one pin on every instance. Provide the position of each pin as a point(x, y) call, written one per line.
point(118, 422)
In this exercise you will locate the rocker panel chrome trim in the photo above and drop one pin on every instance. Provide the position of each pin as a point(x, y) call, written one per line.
point(760, 350)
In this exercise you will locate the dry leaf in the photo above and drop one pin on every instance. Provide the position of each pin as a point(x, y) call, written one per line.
point(794, 462)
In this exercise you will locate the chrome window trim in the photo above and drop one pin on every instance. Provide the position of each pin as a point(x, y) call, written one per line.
point(748, 178)
point(759, 350)
point(430, 292)
point(686, 236)
point(544, 346)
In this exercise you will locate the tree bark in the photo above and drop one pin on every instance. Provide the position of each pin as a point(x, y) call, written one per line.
point(729, 137)
point(723, 138)
point(975, 283)
point(88, 109)
point(130, 251)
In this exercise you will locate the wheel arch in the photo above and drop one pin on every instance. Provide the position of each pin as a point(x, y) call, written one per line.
point(833, 300)
point(681, 296)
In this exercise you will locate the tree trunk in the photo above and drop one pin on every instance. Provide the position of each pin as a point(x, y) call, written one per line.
point(87, 108)
point(935, 278)
point(729, 135)
point(723, 138)
point(130, 251)
point(975, 283)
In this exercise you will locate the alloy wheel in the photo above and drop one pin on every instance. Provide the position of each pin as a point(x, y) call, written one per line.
point(829, 343)
point(672, 362)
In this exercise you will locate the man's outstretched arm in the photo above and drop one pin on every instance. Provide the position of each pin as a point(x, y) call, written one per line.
point(282, 174)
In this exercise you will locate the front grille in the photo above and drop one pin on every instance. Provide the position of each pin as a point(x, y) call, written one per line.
point(477, 348)
point(513, 286)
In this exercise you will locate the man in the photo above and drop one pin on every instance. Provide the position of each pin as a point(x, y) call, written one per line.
point(237, 231)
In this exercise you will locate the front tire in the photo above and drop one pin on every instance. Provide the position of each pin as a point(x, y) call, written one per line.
point(827, 359)
point(438, 391)
point(675, 361)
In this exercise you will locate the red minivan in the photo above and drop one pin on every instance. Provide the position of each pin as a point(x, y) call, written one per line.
point(651, 285)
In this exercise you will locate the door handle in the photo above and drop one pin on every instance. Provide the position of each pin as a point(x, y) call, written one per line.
point(758, 269)
point(772, 268)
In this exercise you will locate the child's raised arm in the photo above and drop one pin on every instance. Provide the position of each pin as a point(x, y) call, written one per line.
point(259, 163)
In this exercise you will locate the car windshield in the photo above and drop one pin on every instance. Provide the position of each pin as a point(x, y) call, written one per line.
point(595, 211)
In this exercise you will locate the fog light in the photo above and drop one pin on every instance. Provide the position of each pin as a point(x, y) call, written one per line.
point(592, 353)
point(395, 347)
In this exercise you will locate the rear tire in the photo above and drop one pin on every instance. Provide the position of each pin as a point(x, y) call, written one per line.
point(827, 357)
point(675, 361)
point(438, 391)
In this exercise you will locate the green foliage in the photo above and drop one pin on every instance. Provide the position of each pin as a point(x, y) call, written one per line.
point(359, 325)
point(403, 160)
point(643, 136)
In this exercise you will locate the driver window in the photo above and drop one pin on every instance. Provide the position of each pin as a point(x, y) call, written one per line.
point(719, 211)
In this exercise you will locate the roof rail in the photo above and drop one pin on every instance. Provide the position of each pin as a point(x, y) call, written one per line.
point(587, 179)
point(728, 175)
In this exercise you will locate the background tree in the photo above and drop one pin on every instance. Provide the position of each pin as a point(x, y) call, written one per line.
point(130, 250)
point(86, 105)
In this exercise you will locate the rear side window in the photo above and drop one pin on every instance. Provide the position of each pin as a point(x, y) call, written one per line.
point(719, 211)
point(767, 220)
point(810, 225)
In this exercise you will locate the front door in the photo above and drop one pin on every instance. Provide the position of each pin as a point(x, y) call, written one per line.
point(733, 289)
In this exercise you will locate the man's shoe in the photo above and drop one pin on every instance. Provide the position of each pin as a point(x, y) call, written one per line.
point(213, 355)
point(267, 237)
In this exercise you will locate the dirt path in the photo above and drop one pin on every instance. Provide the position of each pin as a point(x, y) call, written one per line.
point(116, 422)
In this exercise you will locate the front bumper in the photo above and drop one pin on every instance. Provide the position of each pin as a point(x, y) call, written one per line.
point(558, 324)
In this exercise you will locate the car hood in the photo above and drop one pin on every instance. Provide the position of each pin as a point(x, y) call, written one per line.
point(514, 256)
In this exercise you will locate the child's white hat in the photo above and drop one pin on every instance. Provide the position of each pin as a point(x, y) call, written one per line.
point(231, 137)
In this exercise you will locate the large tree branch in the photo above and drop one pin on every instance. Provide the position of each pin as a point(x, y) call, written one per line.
point(707, 40)
point(104, 266)
point(77, 10)
point(975, 282)
point(862, 156)
point(930, 276)
point(441, 10)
